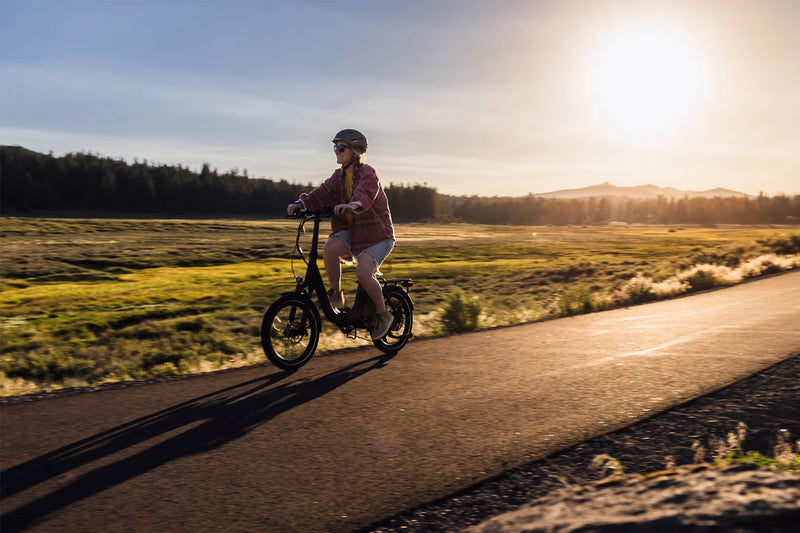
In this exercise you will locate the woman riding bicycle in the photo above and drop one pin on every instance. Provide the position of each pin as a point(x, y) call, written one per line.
point(361, 225)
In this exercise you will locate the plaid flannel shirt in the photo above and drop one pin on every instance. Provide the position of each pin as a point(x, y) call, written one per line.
point(372, 222)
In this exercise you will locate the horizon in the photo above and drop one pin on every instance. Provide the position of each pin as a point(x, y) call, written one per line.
point(412, 184)
point(488, 98)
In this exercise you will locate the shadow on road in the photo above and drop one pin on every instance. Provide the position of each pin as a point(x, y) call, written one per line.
point(228, 414)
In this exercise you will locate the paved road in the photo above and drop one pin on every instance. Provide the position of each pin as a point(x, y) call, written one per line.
point(356, 437)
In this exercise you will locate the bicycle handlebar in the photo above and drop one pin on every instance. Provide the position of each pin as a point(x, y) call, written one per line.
point(324, 212)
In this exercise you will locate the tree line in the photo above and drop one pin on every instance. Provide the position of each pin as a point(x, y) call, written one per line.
point(32, 183)
point(531, 210)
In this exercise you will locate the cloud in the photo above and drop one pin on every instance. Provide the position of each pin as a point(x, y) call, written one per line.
point(472, 97)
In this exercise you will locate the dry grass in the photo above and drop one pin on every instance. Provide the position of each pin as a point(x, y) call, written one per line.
point(90, 301)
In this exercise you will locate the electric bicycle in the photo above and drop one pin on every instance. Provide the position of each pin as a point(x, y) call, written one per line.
point(291, 326)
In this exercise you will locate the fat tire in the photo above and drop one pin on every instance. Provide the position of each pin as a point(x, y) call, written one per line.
point(399, 303)
point(290, 331)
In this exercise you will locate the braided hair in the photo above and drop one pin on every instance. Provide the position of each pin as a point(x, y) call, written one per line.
point(357, 160)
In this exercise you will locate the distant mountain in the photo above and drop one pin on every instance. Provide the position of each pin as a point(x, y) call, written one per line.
point(639, 192)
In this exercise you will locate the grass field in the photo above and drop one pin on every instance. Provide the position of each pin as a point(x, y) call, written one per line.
point(87, 301)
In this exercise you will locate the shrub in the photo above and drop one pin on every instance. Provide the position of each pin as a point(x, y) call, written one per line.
point(783, 245)
point(638, 289)
point(576, 301)
point(165, 369)
point(768, 264)
point(702, 277)
point(460, 314)
point(608, 464)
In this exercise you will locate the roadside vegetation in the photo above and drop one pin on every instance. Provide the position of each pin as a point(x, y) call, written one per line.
point(731, 450)
point(88, 301)
point(723, 451)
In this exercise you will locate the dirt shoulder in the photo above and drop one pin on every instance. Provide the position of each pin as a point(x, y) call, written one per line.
point(765, 402)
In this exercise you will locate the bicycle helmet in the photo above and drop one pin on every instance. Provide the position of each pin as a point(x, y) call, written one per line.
point(354, 138)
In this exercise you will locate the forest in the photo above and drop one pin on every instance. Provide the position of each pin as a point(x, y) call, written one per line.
point(32, 183)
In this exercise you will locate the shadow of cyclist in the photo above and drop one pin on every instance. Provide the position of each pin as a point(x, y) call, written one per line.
point(229, 414)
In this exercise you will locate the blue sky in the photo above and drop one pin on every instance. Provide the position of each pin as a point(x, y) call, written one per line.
point(472, 97)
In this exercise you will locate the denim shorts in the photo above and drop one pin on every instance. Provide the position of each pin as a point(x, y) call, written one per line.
point(379, 252)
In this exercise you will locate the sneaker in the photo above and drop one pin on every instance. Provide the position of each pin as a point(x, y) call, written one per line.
point(383, 325)
point(336, 298)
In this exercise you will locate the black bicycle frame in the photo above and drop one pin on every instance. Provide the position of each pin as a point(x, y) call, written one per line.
point(313, 279)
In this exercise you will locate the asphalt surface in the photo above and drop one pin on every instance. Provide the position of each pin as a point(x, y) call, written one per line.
point(356, 437)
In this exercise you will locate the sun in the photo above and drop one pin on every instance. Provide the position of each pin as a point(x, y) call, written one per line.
point(645, 81)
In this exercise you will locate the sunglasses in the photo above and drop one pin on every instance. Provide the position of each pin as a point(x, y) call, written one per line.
point(340, 148)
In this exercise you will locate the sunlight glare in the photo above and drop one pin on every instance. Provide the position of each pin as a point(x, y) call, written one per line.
point(645, 81)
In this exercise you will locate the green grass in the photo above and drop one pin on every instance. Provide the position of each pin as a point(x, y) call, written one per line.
point(90, 301)
point(731, 451)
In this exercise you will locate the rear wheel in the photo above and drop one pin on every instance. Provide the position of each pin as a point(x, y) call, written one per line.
point(399, 303)
point(290, 331)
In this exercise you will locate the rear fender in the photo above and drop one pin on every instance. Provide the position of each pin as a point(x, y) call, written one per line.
point(391, 287)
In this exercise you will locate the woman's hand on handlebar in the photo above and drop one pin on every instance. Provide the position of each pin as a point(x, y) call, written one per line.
point(293, 208)
point(341, 209)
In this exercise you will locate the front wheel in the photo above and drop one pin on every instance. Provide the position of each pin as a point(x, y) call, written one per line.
point(399, 303)
point(290, 331)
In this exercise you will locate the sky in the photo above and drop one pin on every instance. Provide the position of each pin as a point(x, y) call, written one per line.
point(472, 97)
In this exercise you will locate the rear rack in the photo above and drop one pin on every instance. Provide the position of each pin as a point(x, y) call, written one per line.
point(405, 282)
